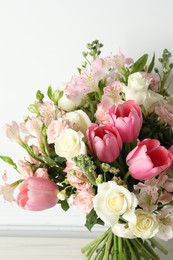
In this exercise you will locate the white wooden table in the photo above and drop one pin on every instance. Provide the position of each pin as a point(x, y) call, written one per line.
point(28, 248)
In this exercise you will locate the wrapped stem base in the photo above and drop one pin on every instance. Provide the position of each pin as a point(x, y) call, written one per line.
point(111, 247)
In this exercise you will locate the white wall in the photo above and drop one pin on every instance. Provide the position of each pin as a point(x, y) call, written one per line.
point(41, 42)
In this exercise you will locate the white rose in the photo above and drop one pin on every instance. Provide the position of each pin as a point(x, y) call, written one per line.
point(69, 144)
point(137, 88)
point(67, 104)
point(113, 201)
point(146, 226)
point(79, 119)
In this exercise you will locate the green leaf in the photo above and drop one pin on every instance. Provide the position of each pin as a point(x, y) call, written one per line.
point(151, 65)
point(8, 160)
point(64, 205)
point(49, 160)
point(92, 219)
point(139, 64)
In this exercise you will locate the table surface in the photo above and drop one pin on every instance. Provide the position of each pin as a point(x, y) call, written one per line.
point(19, 248)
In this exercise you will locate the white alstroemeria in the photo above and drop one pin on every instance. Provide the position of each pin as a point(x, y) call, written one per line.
point(113, 201)
point(137, 88)
point(147, 225)
point(79, 120)
point(70, 144)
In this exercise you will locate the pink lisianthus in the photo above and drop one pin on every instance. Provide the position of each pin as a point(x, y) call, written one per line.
point(165, 112)
point(127, 118)
point(37, 194)
point(84, 200)
point(148, 159)
point(76, 177)
point(104, 142)
point(54, 129)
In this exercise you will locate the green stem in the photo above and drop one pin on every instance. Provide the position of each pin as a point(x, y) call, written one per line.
point(158, 245)
point(94, 244)
point(131, 250)
point(108, 246)
point(115, 249)
point(120, 255)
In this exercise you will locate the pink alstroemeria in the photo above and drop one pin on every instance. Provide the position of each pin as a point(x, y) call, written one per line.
point(148, 159)
point(104, 142)
point(37, 194)
point(127, 118)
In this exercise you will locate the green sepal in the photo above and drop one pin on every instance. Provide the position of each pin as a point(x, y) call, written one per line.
point(151, 65)
point(39, 96)
point(8, 160)
point(33, 109)
point(139, 64)
point(64, 204)
point(92, 219)
point(54, 96)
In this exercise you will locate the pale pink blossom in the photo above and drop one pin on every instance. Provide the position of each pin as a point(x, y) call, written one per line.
point(42, 173)
point(84, 200)
point(111, 94)
point(101, 114)
point(127, 118)
point(34, 128)
point(148, 159)
point(79, 86)
point(165, 112)
point(25, 169)
point(104, 142)
point(55, 128)
point(165, 218)
point(7, 190)
point(37, 194)
point(76, 177)
point(13, 132)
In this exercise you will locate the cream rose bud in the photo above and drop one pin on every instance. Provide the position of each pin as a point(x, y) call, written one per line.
point(113, 201)
point(146, 226)
point(137, 88)
point(67, 104)
point(69, 144)
point(79, 120)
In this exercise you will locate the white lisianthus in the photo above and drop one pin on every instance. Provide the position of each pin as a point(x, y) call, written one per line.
point(67, 104)
point(146, 226)
point(122, 230)
point(79, 120)
point(113, 201)
point(137, 88)
point(69, 144)
point(151, 100)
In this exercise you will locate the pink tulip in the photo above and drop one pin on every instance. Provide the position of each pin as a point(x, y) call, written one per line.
point(148, 159)
point(127, 118)
point(104, 142)
point(37, 194)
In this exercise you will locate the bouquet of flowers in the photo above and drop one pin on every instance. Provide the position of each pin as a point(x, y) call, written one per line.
point(105, 145)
